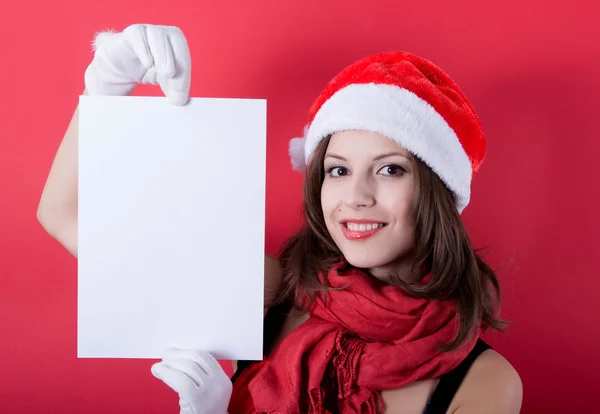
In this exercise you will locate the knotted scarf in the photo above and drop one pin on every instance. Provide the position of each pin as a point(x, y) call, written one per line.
point(362, 339)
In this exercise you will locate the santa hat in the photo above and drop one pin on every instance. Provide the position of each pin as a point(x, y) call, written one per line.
point(409, 100)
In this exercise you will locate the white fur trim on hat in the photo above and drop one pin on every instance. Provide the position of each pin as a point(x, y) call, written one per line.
point(296, 151)
point(404, 117)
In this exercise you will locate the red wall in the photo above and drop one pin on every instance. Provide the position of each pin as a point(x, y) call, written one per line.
point(530, 67)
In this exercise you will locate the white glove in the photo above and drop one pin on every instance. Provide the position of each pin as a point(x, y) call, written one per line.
point(202, 385)
point(157, 55)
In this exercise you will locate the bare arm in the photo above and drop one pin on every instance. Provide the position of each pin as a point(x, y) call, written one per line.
point(492, 386)
point(57, 210)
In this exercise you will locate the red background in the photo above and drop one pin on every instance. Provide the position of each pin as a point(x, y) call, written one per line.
point(530, 68)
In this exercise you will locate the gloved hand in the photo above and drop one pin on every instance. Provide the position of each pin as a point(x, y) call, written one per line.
point(148, 54)
point(202, 385)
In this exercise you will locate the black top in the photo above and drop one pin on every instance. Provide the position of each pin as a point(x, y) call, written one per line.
point(443, 394)
point(449, 383)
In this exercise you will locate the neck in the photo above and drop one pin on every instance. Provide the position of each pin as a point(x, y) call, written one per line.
point(400, 269)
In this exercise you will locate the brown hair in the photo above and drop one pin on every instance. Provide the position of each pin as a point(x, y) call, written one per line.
point(442, 246)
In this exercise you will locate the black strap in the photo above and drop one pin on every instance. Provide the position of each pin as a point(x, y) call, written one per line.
point(450, 382)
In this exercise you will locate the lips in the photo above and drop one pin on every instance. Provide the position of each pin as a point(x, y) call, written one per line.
point(360, 229)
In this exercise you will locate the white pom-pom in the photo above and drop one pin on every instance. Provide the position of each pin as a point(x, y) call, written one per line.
point(296, 151)
point(103, 38)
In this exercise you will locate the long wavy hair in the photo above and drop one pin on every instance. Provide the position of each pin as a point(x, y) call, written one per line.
point(442, 247)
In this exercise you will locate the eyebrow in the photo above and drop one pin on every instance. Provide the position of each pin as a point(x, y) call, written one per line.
point(377, 158)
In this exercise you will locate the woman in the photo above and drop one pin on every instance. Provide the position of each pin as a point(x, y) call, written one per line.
point(380, 300)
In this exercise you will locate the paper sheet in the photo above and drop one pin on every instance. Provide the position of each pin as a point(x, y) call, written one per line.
point(171, 226)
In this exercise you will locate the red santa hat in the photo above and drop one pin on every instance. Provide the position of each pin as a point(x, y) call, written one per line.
point(410, 100)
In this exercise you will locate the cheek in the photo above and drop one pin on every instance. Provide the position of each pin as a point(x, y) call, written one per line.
point(329, 201)
point(402, 209)
point(399, 200)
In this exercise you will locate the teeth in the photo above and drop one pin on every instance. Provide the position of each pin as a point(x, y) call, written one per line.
point(363, 227)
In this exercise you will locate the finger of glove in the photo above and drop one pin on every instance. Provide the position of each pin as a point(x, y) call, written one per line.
point(203, 359)
point(177, 380)
point(177, 86)
point(138, 40)
point(100, 78)
point(195, 372)
point(161, 51)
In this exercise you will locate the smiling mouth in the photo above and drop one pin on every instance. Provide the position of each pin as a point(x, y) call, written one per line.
point(361, 229)
point(362, 226)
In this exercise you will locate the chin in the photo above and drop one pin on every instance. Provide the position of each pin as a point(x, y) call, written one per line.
point(366, 259)
point(363, 263)
point(377, 252)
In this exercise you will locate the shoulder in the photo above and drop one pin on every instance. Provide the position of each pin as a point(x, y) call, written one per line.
point(492, 385)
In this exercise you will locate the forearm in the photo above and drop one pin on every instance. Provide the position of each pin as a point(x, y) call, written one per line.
point(57, 210)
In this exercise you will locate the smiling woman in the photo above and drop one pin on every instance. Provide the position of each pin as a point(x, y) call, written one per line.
point(378, 303)
point(383, 298)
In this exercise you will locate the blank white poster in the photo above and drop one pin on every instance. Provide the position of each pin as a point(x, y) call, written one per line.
point(171, 226)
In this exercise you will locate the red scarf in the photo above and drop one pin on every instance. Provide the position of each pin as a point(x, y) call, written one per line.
point(358, 341)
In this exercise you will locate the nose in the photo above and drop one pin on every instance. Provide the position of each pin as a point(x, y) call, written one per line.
point(360, 193)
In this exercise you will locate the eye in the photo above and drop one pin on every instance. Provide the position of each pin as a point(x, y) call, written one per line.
point(391, 170)
point(337, 171)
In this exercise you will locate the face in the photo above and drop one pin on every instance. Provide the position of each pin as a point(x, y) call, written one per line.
point(367, 200)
